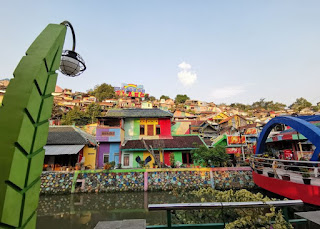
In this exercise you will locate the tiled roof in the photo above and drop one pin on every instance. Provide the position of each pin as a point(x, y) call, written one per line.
point(229, 118)
point(177, 142)
point(137, 113)
point(208, 142)
point(65, 135)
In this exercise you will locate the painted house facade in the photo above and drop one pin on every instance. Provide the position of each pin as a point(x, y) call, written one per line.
point(68, 145)
point(109, 135)
point(132, 129)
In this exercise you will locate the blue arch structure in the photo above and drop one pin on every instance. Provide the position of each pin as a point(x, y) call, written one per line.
point(301, 124)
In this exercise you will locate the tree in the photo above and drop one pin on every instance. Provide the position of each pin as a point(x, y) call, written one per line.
point(276, 106)
point(165, 97)
point(152, 98)
point(181, 99)
point(103, 91)
point(147, 97)
point(93, 111)
point(240, 106)
point(259, 104)
point(75, 116)
point(268, 105)
point(300, 104)
point(57, 112)
point(216, 156)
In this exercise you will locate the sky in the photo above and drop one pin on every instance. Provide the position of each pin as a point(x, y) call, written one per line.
point(216, 51)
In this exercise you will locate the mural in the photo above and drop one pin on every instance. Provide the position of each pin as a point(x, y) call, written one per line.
point(235, 140)
point(130, 90)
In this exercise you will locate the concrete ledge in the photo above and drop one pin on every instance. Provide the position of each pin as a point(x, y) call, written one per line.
point(313, 217)
point(124, 224)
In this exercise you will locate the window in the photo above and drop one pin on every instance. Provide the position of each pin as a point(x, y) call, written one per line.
point(142, 130)
point(158, 130)
point(126, 160)
point(105, 158)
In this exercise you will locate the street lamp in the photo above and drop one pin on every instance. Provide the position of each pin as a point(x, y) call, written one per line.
point(71, 63)
point(241, 132)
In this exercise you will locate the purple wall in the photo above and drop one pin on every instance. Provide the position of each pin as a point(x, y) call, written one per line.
point(113, 137)
point(111, 149)
point(103, 149)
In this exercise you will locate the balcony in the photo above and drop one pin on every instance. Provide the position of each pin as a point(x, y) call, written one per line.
point(108, 134)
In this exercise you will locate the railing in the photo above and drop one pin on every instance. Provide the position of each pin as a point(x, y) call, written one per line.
point(284, 204)
point(297, 170)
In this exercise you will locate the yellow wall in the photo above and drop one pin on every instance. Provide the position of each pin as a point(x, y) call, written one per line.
point(1, 98)
point(150, 121)
point(89, 157)
point(145, 155)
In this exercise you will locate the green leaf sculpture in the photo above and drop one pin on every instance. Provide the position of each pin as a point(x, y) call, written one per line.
point(24, 125)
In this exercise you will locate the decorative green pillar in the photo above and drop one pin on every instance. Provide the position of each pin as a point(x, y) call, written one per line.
point(24, 126)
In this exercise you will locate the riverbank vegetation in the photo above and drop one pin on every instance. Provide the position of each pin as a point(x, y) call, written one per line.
point(234, 218)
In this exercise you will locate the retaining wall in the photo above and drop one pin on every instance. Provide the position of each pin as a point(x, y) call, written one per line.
point(145, 180)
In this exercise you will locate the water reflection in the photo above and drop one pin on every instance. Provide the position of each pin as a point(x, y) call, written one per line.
point(86, 210)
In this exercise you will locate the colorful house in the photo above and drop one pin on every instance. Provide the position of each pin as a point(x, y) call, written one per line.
point(68, 145)
point(179, 146)
point(233, 122)
point(123, 135)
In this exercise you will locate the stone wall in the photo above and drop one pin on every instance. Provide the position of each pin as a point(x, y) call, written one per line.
point(110, 181)
point(168, 180)
point(56, 182)
point(145, 179)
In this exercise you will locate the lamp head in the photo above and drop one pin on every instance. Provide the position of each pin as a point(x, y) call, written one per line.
point(71, 63)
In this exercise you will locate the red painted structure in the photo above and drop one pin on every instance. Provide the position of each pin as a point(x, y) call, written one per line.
point(165, 126)
point(307, 193)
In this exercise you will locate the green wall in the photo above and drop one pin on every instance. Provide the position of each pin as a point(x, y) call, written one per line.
point(132, 129)
point(136, 154)
point(177, 156)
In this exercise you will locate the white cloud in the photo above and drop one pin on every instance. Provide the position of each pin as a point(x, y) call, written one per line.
point(227, 92)
point(184, 66)
point(186, 77)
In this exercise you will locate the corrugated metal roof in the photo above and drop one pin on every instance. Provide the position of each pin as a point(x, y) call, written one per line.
point(184, 141)
point(62, 149)
point(137, 113)
point(65, 135)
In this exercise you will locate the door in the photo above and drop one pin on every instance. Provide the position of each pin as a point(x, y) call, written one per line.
point(150, 130)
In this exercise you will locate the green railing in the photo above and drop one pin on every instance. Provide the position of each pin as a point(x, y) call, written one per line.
point(284, 204)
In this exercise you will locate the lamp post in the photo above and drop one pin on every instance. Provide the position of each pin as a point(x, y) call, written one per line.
point(243, 156)
point(71, 63)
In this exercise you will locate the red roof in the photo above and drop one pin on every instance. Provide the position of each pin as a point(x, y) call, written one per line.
point(58, 89)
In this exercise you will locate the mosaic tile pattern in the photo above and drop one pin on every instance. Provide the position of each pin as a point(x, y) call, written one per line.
point(111, 182)
point(168, 180)
point(56, 182)
point(233, 179)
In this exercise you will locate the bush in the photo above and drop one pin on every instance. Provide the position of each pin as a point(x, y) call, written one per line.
point(216, 156)
point(305, 172)
point(109, 165)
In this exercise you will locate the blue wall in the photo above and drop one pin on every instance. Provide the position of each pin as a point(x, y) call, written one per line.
point(114, 149)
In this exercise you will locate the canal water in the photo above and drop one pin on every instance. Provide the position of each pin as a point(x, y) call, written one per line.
point(84, 211)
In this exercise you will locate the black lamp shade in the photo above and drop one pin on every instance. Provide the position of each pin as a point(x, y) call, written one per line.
point(71, 63)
